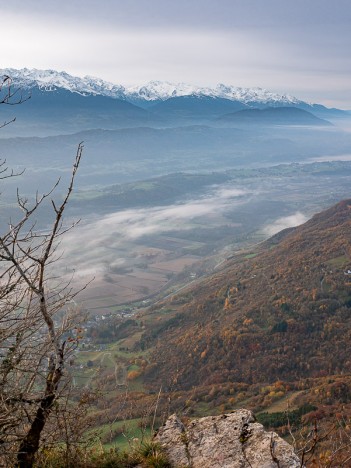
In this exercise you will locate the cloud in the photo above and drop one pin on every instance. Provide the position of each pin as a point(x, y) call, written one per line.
point(285, 47)
point(286, 222)
point(104, 243)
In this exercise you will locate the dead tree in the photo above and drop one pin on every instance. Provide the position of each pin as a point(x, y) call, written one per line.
point(36, 322)
point(34, 328)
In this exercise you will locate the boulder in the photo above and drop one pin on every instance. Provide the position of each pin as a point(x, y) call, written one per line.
point(233, 440)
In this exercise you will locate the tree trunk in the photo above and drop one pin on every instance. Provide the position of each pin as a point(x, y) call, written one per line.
point(30, 444)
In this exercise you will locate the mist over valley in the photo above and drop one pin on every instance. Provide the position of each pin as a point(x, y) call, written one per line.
point(160, 207)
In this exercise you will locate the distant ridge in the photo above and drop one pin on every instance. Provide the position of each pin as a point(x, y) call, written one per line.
point(151, 92)
point(64, 103)
point(274, 116)
point(196, 105)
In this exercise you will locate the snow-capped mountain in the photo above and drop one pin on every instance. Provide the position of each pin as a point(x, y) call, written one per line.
point(152, 91)
point(160, 90)
point(50, 79)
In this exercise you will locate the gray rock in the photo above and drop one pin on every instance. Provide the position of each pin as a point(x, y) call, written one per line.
point(232, 440)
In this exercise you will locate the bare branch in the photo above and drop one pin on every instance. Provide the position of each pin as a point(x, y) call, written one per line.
point(33, 350)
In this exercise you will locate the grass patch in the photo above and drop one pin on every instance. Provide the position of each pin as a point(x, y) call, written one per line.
point(86, 195)
point(122, 434)
point(136, 385)
point(250, 255)
point(338, 261)
point(284, 403)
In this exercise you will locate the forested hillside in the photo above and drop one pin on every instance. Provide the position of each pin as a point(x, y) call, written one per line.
point(284, 313)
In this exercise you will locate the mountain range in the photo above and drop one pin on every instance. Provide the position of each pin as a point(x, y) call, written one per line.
point(155, 92)
point(152, 91)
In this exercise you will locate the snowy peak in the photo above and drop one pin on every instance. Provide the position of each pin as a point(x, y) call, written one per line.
point(162, 90)
point(153, 91)
point(50, 79)
point(247, 95)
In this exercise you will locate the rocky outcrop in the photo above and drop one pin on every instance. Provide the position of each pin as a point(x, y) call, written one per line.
point(232, 440)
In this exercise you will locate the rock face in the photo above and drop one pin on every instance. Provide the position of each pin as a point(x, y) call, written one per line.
point(232, 440)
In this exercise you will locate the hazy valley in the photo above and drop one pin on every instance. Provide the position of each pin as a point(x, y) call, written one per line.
point(158, 198)
point(189, 294)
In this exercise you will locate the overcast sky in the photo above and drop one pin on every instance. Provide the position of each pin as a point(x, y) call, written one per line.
point(297, 46)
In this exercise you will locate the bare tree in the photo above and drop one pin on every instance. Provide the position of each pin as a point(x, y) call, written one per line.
point(36, 321)
point(10, 96)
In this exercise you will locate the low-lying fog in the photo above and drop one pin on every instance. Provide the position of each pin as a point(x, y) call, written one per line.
point(134, 253)
point(338, 157)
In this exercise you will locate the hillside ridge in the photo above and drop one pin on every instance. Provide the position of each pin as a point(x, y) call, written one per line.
point(283, 314)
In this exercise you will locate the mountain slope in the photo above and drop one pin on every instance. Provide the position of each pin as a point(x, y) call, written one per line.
point(194, 105)
point(273, 116)
point(284, 314)
point(62, 111)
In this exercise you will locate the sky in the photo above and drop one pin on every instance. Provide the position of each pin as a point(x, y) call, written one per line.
point(301, 47)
